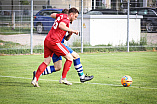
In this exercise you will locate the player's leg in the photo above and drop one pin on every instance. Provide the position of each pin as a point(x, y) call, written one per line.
point(66, 68)
point(43, 65)
point(56, 67)
point(48, 70)
point(61, 50)
point(77, 63)
point(40, 70)
point(51, 69)
point(79, 68)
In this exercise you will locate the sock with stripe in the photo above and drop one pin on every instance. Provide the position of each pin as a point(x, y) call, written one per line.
point(49, 70)
point(79, 68)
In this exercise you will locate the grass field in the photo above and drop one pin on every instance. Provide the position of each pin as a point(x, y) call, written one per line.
point(105, 88)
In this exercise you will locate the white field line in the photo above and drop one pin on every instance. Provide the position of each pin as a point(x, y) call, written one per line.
point(78, 82)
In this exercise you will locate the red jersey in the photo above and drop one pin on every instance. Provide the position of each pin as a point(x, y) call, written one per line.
point(56, 35)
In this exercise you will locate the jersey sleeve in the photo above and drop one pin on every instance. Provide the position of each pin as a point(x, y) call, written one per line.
point(66, 21)
point(57, 15)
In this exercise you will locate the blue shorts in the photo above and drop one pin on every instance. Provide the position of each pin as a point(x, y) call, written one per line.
point(55, 58)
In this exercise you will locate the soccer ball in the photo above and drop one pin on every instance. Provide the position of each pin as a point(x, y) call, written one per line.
point(126, 81)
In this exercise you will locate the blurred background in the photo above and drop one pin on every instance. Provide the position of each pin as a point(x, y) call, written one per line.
point(104, 27)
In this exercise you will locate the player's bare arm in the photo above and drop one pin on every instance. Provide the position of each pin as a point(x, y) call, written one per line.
point(63, 26)
point(67, 37)
point(53, 15)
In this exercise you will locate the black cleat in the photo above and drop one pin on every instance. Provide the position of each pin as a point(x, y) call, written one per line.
point(86, 78)
point(34, 73)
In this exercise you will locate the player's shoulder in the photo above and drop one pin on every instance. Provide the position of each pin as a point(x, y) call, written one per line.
point(63, 16)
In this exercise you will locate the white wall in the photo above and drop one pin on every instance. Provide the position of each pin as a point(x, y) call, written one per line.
point(107, 29)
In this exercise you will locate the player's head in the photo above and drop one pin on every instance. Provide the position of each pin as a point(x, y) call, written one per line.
point(73, 14)
point(65, 11)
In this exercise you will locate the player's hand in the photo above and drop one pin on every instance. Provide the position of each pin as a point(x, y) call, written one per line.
point(70, 33)
point(76, 32)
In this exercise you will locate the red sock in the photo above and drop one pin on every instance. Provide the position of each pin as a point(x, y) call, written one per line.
point(40, 70)
point(66, 68)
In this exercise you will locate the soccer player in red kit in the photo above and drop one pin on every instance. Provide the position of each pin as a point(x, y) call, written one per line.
point(52, 43)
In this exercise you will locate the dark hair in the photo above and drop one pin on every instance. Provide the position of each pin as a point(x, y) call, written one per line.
point(65, 11)
point(73, 10)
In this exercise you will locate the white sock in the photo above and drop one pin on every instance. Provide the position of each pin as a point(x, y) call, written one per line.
point(82, 77)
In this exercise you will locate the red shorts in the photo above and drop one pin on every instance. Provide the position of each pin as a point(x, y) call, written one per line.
point(58, 48)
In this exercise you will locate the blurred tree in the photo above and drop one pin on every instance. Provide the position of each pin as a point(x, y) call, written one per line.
point(24, 2)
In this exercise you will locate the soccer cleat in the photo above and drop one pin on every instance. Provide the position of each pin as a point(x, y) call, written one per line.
point(35, 83)
point(64, 81)
point(86, 78)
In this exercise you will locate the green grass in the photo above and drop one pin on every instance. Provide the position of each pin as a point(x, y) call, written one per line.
point(105, 88)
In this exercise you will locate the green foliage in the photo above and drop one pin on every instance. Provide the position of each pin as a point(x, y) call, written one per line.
point(134, 46)
point(104, 45)
point(20, 51)
point(10, 31)
point(143, 41)
point(16, 48)
point(105, 88)
point(6, 44)
point(24, 2)
point(138, 46)
point(76, 49)
point(76, 44)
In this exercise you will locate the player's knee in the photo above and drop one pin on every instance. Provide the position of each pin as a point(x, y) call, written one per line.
point(69, 57)
point(75, 55)
point(47, 60)
point(58, 65)
point(58, 68)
